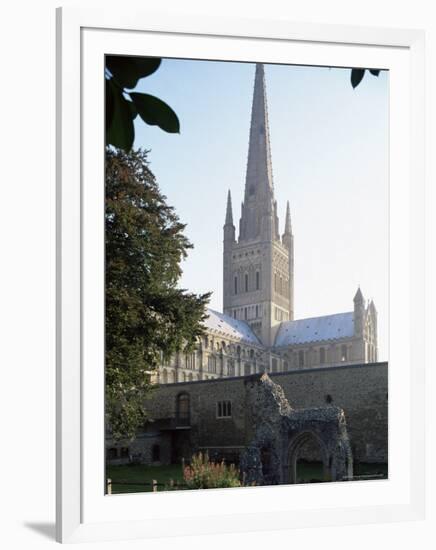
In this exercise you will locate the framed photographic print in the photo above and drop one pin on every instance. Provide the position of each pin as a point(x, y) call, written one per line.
point(240, 275)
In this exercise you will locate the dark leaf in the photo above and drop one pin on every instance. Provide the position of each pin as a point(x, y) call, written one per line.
point(128, 70)
point(374, 72)
point(120, 133)
point(133, 110)
point(155, 112)
point(356, 76)
point(109, 101)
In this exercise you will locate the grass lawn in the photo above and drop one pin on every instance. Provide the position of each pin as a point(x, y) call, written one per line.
point(312, 471)
point(136, 474)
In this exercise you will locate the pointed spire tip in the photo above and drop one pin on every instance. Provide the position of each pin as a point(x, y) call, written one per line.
point(229, 212)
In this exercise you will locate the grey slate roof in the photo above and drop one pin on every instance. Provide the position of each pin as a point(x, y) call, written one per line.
point(328, 327)
point(233, 328)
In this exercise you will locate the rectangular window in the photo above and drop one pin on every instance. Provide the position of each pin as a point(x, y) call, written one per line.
point(245, 313)
point(224, 409)
point(257, 280)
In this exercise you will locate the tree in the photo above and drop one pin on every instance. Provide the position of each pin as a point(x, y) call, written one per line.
point(147, 316)
point(358, 74)
point(121, 75)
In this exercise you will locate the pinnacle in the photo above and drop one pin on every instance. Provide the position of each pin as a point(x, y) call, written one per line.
point(229, 213)
point(288, 224)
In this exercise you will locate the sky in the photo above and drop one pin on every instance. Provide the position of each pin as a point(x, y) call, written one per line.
point(329, 147)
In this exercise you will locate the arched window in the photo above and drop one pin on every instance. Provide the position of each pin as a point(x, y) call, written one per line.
point(183, 409)
point(274, 365)
point(246, 282)
point(245, 313)
point(231, 367)
point(344, 353)
point(257, 311)
point(281, 286)
point(236, 284)
point(164, 377)
point(301, 358)
point(257, 280)
point(211, 363)
point(322, 356)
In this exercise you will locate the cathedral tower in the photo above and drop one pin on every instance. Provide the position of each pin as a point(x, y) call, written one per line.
point(258, 269)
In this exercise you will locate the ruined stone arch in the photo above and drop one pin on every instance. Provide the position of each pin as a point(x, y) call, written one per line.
point(295, 444)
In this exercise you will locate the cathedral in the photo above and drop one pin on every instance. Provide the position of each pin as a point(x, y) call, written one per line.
point(257, 331)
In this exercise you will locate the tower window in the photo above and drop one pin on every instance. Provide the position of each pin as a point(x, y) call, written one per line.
point(246, 282)
point(236, 284)
point(257, 280)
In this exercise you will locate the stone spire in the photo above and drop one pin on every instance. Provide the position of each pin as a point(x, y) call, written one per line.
point(288, 224)
point(229, 228)
point(359, 312)
point(358, 297)
point(258, 212)
point(229, 212)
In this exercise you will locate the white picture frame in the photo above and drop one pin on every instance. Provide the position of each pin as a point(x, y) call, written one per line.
point(83, 512)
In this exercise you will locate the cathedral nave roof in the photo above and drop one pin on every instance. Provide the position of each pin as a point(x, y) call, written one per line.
point(315, 329)
point(233, 328)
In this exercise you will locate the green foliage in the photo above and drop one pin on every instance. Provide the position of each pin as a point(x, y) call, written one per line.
point(147, 317)
point(122, 74)
point(358, 74)
point(205, 474)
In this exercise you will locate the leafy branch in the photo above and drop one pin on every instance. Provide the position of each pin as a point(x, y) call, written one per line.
point(358, 74)
point(121, 75)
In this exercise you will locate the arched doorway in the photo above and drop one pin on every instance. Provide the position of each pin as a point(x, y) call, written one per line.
point(183, 409)
point(308, 459)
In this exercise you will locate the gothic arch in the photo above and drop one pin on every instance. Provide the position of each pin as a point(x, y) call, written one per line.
point(294, 446)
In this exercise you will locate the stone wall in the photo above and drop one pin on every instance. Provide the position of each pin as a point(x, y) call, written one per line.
point(360, 390)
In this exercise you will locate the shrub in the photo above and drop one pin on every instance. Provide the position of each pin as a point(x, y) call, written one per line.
point(205, 474)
